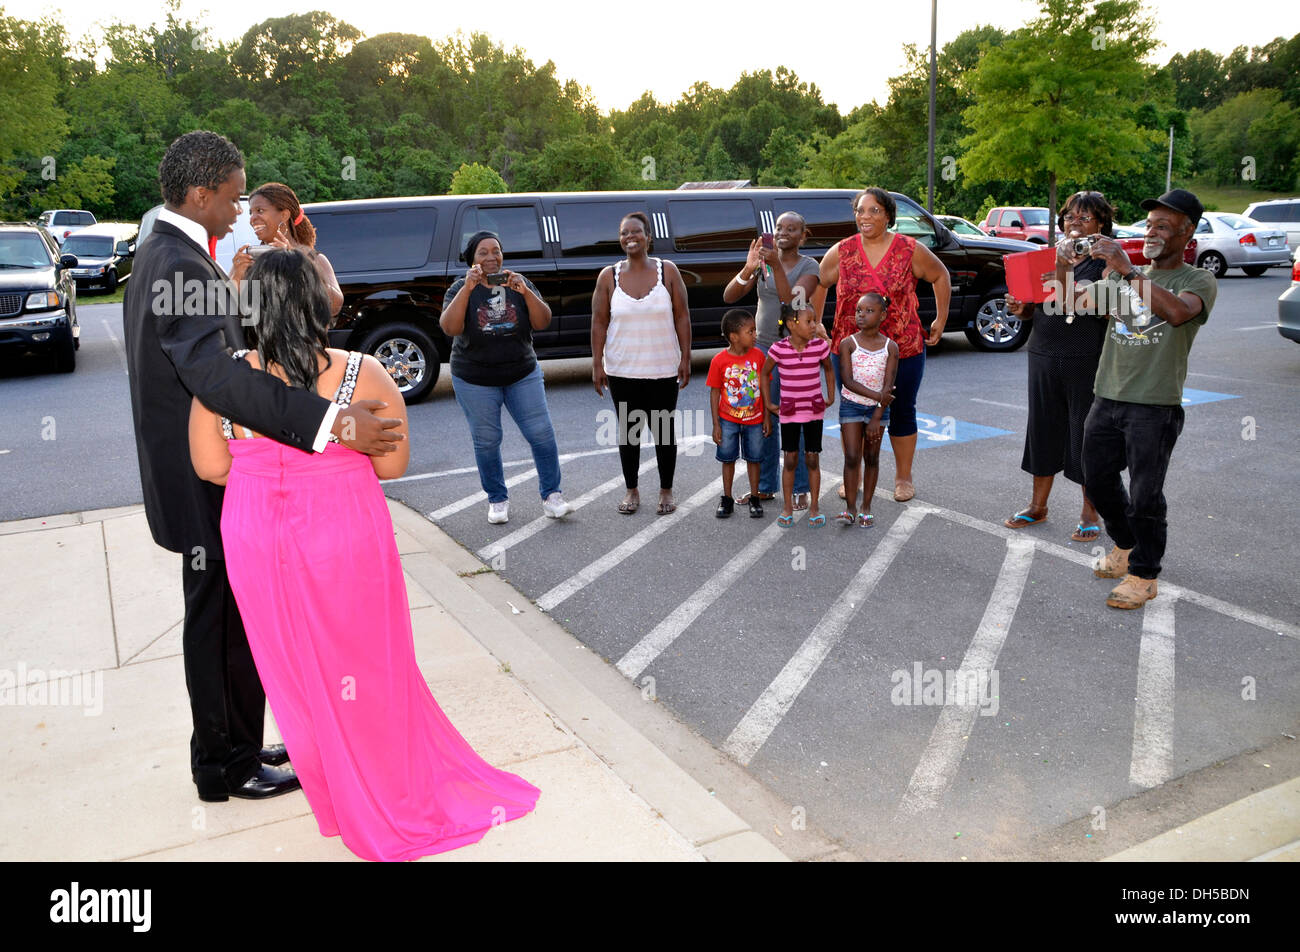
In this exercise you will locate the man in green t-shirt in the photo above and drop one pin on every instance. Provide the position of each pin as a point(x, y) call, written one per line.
point(1137, 413)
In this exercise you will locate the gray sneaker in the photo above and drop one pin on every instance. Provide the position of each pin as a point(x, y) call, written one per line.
point(555, 506)
point(499, 512)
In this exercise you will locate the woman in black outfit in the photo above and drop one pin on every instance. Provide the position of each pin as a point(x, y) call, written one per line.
point(1064, 348)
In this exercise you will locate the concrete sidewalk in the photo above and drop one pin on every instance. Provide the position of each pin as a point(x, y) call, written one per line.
point(97, 764)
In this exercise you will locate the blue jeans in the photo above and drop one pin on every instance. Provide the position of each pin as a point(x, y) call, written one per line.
point(769, 478)
point(526, 401)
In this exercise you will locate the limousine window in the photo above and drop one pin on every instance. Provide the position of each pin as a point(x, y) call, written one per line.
point(375, 240)
point(591, 228)
point(713, 224)
point(515, 225)
point(829, 219)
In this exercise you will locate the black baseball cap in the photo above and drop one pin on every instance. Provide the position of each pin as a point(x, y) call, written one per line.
point(1179, 200)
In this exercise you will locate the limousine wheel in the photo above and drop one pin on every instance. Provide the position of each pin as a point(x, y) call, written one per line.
point(994, 328)
point(410, 357)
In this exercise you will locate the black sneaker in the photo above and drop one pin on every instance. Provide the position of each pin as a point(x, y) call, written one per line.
point(725, 507)
point(755, 506)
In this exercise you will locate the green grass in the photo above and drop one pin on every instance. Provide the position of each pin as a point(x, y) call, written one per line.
point(85, 298)
point(1228, 198)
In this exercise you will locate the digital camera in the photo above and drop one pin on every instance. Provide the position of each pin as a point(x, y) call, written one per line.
point(1081, 247)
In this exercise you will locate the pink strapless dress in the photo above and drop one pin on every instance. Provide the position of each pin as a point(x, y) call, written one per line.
point(314, 567)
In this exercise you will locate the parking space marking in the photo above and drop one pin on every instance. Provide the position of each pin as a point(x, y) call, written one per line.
point(452, 508)
point(117, 345)
point(776, 700)
point(653, 644)
point(1258, 327)
point(1153, 719)
point(620, 553)
point(995, 403)
point(943, 754)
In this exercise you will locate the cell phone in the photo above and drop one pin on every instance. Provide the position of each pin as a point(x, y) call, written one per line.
point(256, 250)
point(767, 239)
point(497, 278)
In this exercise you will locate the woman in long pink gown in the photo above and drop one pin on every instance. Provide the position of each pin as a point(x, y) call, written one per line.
point(379, 762)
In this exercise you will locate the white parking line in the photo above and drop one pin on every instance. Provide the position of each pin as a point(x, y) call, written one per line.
point(619, 554)
point(452, 508)
point(762, 718)
point(1258, 327)
point(947, 746)
point(121, 351)
point(493, 549)
point(653, 644)
point(994, 403)
point(1153, 720)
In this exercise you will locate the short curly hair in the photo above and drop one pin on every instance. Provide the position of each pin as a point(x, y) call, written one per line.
point(197, 159)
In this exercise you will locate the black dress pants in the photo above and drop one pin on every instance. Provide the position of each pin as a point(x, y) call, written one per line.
point(1140, 438)
point(227, 702)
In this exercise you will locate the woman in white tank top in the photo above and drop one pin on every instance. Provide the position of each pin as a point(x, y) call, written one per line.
point(641, 349)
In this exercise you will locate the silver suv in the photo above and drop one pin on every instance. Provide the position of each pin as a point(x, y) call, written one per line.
point(1283, 213)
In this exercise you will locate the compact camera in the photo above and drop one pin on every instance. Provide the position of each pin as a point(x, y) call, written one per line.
point(1081, 247)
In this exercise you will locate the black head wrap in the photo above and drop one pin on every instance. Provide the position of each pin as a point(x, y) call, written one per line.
point(473, 242)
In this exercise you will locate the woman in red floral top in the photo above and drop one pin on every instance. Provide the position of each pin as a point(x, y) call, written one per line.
point(877, 259)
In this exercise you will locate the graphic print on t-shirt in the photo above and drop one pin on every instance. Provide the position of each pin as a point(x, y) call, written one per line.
point(496, 315)
point(740, 385)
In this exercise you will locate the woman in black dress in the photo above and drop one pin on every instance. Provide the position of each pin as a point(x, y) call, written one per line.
point(1064, 348)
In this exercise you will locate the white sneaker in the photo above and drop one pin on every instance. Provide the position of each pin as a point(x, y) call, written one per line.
point(499, 512)
point(555, 506)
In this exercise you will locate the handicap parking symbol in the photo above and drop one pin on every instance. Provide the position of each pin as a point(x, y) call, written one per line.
point(1193, 397)
point(932, 431)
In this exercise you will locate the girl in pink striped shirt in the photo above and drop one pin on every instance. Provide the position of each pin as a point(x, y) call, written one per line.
point(804, 360)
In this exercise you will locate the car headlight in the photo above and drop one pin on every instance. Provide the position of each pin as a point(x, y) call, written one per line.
point(43, 299)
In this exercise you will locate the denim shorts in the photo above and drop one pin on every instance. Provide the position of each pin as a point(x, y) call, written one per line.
point(851, 412)
point(740, 439)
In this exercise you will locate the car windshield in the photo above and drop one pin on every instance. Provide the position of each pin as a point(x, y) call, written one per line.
point(1034, 216)
point(1238, 222)
point(91, 246)
point(23, 250)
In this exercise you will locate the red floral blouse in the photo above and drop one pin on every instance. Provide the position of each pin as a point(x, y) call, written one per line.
point(892, 277)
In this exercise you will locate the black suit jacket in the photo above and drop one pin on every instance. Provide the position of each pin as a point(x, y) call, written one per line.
point(173, 355)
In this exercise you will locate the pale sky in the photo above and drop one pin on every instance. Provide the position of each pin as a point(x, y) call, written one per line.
point(622, 49)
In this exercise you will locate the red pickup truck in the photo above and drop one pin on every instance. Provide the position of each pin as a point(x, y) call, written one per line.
point(1024, 223)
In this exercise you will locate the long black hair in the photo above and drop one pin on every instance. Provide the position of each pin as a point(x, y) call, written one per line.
point(291, 314)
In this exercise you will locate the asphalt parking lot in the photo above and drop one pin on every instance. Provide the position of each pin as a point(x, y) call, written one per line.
point(812, 656)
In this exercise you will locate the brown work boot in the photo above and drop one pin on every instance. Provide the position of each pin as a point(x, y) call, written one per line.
point(1133, 592)
point(1114, 564)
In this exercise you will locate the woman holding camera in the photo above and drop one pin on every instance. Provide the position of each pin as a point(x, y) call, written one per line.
point(491, 314)
point(1064, 348)
point(279, 221)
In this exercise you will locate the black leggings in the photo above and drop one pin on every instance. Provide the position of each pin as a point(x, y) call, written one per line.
point(637, 402)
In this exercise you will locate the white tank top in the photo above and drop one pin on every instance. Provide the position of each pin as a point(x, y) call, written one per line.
point(868, 370)
point(642, 339)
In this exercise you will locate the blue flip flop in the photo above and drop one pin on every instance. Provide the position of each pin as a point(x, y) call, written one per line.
point(785, 522)
point(1021, 520)
point(818, 520)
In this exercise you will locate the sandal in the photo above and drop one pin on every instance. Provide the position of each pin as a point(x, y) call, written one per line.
point(903, 491)
point(762, 497)
point(866, 520)
point(818, 520)
point(848, 518)
point(627, 508)
point(1084, 533)
point(1020, 520)
point(785, 522)
point(664, 508)
point(800, 501)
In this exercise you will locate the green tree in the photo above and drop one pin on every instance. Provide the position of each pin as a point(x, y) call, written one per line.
point(32, 124)
point(85, 184)
point(1250, 139)
point(783, 159)
point(474, 179)
point(847, 161)
point(576, 163)
point(1057, 100)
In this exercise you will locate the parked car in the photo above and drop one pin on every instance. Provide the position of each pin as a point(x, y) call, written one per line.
point(959, 225)
point(1281, 213)
point(396, 257)
point(64, 221)
point(1225, 240)
point(1020, 222)
point(104, 254)
point(38, 296)
point(1288, 305)
point(1131, 239)
point(241, 234)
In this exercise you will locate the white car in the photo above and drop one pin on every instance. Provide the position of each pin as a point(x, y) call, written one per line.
point(1281, 213)
point(1225, 240)
point(240, 234)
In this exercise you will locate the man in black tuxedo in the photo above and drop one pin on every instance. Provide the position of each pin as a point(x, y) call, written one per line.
point(180, 321)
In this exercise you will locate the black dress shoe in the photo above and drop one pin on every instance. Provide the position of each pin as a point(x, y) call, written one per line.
point(267, 782)
point(274, 755)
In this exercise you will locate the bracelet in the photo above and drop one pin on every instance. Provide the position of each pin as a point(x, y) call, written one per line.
point(739, 280)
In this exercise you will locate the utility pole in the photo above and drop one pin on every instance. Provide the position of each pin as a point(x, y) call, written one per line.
point(934, 75)
point(1169, 169)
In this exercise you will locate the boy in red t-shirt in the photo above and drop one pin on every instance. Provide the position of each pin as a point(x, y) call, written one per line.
point(737, 404)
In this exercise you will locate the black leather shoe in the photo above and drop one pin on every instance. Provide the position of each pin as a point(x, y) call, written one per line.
point(267, 782)
point(274, 755)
